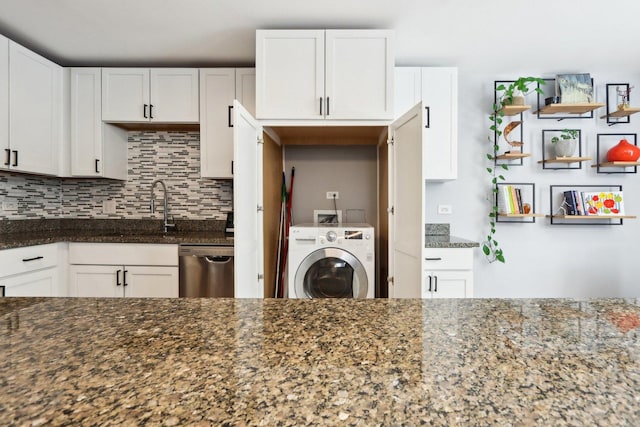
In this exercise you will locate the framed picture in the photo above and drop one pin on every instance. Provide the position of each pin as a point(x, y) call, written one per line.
point(575, 88)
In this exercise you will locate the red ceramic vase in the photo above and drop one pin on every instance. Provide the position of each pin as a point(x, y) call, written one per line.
point(623, 152)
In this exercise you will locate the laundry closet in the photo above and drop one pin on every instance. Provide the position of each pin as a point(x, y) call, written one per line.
point(340, 137)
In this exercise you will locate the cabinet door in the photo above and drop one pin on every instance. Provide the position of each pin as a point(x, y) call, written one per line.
point(42, 283)
point(217, 91)
point(125, 94)
point(290, 74)
point(406, 220)
point(451, 284)
point(407, 85)
point(359, 74)
point(440, 131)
point(174, 95)
point(246, 88)
point(86, 122)
point(151, 282)
point(4, 103)
point(248, 205)
point(35, 105)
point(95, 281)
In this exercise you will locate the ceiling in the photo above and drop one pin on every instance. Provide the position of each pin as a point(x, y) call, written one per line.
point(222, 32)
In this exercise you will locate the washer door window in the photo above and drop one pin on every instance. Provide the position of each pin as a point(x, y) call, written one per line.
point(331, 273)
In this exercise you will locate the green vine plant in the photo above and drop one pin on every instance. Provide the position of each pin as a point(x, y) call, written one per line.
point(504, 96)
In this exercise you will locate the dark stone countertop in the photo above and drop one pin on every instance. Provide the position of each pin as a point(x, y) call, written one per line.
point(15, 234)
point(446, 241)
point(554, 362)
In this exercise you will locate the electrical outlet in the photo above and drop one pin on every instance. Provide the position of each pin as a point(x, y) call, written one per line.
point(9, 205)
point(445, 210)
point(333, 195)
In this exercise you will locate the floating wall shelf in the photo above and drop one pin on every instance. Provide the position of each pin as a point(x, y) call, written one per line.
point(568, 108)
point(513, 156)
point(606, 141)
point(513, 110)
point(618, 112)
point(565, 160)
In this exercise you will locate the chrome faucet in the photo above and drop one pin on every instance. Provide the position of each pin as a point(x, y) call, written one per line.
point(152, 204)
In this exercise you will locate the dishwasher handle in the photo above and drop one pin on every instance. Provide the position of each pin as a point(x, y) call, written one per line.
point(217, 259)
point(205, 251)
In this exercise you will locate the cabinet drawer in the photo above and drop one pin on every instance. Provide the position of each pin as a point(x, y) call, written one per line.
point(123, 254)
point(29, 258)
point(448, 259)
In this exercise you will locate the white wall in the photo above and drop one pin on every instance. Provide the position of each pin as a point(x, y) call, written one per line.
point(542, 260)
point(503, 39)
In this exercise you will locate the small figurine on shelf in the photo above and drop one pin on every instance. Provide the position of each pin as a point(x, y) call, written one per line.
point(623, 94)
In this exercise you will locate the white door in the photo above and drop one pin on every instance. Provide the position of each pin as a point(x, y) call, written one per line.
point(42, 283)
point(359, 74)
point(86, 122)
point(96, 281)
point(290, 74)
point(150, 282)
point(406, 189)
point(125, 94)
point(247, 205)
point(4, 102)
point(217, 92)
point(174, 95)
point(35, 105)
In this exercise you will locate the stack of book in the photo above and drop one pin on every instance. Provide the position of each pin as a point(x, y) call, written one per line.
point(603, 203)
point(510, 200)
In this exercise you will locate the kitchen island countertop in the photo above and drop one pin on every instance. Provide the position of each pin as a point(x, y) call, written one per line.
point(319, 362)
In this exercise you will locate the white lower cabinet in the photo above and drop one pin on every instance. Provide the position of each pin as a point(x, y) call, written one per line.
point(123, 270)
point(41, 283)
point(448, 273)
point(123, 281)
point(30, 271)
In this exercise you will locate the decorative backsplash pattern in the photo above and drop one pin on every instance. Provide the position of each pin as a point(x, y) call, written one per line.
point(173, 157)
point(35, 196)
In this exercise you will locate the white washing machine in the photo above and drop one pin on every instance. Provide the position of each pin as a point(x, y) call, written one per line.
point(331, 261)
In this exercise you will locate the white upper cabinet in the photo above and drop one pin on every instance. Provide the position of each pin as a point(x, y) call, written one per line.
point(437, 88)
point(4, 102)
point(35, 113)
point(164, 95)
point(97, 149)
point(218, 88)
point(324, 74)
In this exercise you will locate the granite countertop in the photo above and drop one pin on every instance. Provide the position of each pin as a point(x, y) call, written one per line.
point(446, 241)
point(438, 236)
point(319, 362)
point(15, 234)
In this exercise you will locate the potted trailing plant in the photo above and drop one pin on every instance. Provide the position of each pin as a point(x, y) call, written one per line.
point(565, 144)
point(505, 95)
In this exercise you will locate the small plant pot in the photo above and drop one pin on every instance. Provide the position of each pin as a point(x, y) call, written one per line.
point(565, 147)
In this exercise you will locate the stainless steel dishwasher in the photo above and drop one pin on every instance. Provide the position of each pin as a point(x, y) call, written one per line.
point(206, 271)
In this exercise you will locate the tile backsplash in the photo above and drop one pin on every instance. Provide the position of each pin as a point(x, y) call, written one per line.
point(173, 157)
